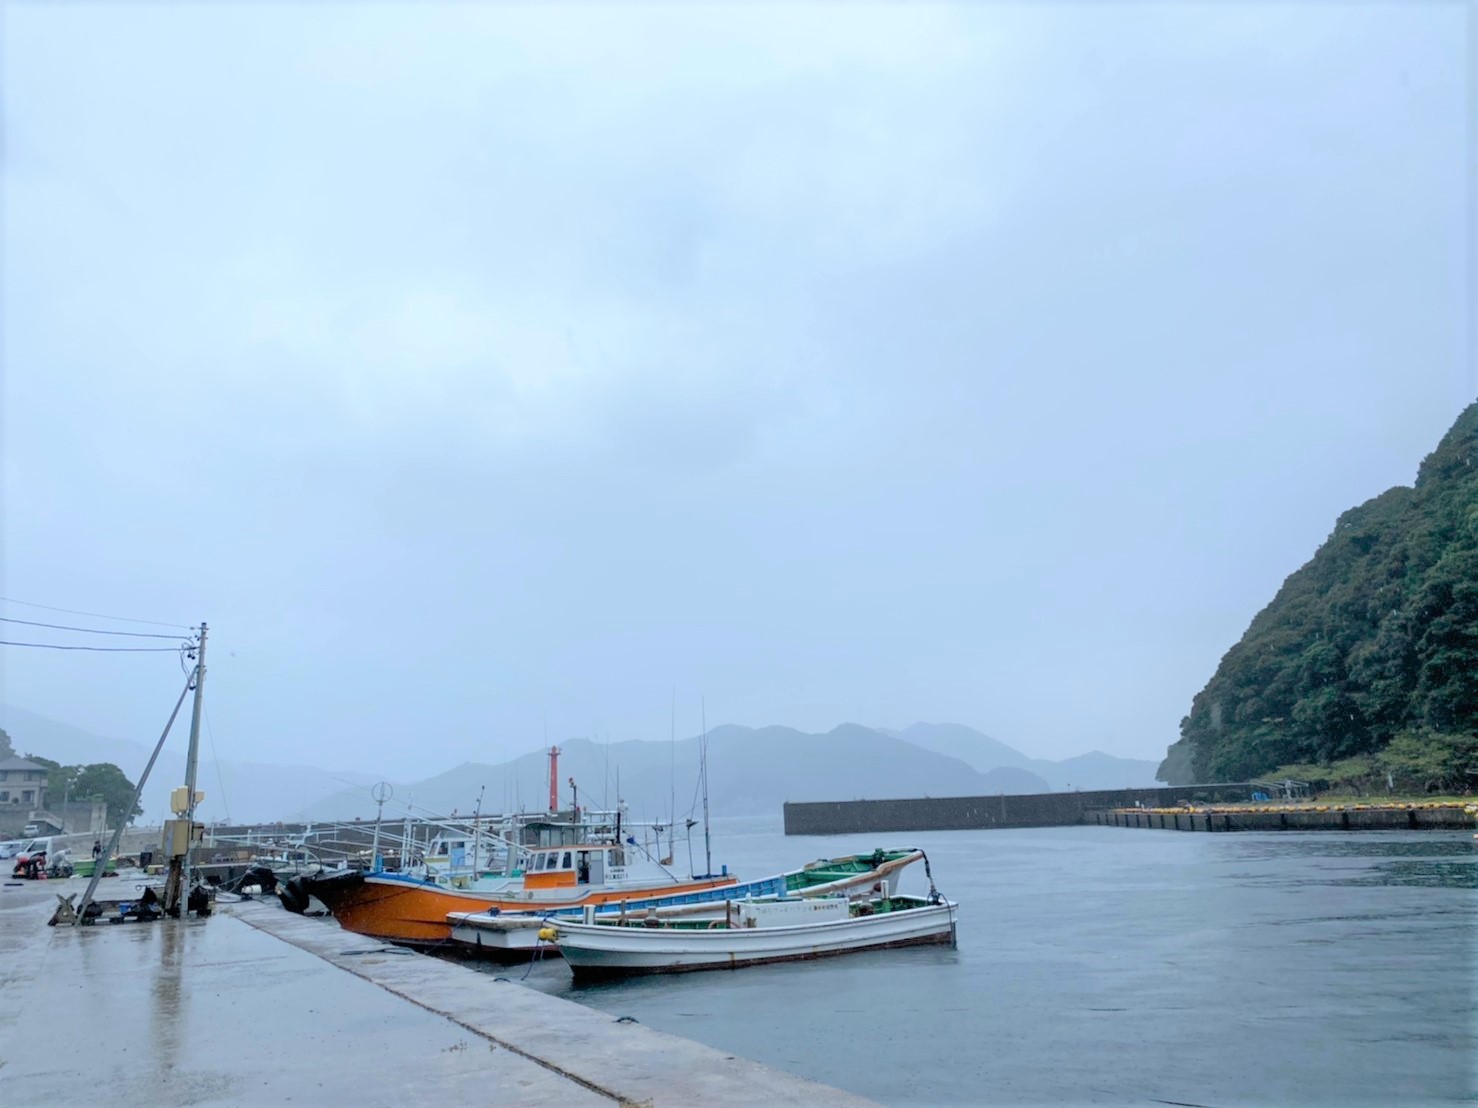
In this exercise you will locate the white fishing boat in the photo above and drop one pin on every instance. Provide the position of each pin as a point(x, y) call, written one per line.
point(750, 933)
point(513, 935)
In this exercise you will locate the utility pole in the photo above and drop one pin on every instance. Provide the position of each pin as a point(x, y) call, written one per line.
point(192, 757)
point(181, 840)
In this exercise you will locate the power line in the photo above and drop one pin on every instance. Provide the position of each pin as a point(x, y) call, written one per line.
point(210, 734)
point(88, 630)
point(103, 649)
point(94, 615)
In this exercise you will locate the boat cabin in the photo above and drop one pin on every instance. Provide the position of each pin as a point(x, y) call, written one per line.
point(559, 831)
point(458, 852)
point(574, 866)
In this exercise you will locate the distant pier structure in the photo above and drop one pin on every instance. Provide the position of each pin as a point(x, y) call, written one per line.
point(1432, 816)
point(1223, 807)
point(970, 813)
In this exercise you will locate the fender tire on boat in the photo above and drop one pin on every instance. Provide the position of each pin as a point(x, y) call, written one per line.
point(294, 895)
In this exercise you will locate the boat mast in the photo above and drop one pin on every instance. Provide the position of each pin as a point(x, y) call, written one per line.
point(477, 827)
point(672, 779)
point(703, 773)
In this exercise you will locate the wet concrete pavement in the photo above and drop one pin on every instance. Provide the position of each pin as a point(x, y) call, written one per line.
point(256, 1006)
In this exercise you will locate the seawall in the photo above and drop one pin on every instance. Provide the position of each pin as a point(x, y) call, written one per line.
point(965, 813)
point(1415, 817)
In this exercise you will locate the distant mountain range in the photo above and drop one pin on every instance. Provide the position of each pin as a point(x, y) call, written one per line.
point(246, 790)
point(753, 770)
point(750, 770)
point(1094, 770)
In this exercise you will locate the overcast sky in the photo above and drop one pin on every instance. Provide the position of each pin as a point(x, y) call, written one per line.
point(470, 366)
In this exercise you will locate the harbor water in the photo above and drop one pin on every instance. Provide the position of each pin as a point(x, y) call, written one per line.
point(1107, 966)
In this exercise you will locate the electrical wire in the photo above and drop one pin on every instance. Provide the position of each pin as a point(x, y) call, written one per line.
point(210, 734)
point(102, 649)
point(94, 615)
point(88, 630)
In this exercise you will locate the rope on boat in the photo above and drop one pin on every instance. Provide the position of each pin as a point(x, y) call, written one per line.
point(537, 956)
point(934, 897)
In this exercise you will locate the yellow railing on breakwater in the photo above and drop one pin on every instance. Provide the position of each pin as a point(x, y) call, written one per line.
point(1304, 806)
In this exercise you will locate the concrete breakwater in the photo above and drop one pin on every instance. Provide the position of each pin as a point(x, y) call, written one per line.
point(1221, 807)
point(1303, 817)
point(968, 813)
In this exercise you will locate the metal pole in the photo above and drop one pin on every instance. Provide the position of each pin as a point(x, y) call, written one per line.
point(102, 862)
point(179, 864)
point(379, 794)
point(192, 755)
point(707, 847)
point(476, 828)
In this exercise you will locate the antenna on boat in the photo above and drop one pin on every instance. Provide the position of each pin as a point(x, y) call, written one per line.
point(672, 778)
point(476, 827)
point(379, 794)
point(703, 773)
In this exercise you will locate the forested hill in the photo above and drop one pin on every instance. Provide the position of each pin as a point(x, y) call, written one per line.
point(1366, 662)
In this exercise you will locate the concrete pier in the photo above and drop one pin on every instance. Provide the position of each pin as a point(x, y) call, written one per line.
point(258, 1006)
point(968, 813)
point(1307, 817)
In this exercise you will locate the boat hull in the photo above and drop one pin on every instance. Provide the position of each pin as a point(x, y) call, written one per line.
point(415, 913)
point(596, 951)
point(514, 937)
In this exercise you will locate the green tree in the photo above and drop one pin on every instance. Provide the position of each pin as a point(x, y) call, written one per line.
point(105, 780)
point(1432, 762)
point(6, 749)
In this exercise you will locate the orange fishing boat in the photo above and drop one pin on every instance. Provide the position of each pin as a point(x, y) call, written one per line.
point(569, 865)
point(404, 908)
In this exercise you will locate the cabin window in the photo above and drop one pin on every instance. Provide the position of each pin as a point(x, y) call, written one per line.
point(566, 864)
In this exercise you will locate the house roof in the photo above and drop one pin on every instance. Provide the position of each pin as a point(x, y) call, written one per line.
point(20, 763)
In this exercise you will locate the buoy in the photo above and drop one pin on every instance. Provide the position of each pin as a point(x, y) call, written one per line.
point(548, 934)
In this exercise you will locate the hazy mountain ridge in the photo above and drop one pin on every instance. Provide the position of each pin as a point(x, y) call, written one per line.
point(751, 770)
point(1094, 770)
point(249, 791)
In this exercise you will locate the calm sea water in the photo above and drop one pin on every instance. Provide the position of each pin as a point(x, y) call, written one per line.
point(1110, 966)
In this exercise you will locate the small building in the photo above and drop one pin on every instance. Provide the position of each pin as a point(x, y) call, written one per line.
point(22, 783)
